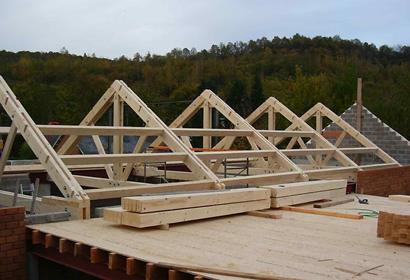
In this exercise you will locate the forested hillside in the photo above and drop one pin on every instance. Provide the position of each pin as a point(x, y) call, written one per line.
point(299, 71)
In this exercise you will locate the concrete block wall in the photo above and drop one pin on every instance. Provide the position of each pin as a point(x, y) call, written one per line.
point(384, 182)
point(12, 243)
point(379, 133)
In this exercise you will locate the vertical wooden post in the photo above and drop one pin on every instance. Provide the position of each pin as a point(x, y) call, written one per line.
point(319, 127)
point(7, 148)
point(118, 120)
point(207, 124)
point(359, 113)
point(359, 103)
point(271, 122)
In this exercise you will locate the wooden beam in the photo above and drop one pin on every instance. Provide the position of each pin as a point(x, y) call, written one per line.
point(322, 213)
point(235, 154)
point(304, 152)
point(101, 150)
point(207, 122)
point(96, 182)
point(7, 148)
point(115, 192)
point(84, 130)
point(297, 188)
point(145, 204)
point(361, 150)
point(359, 103)
point(56, 169)
point(142, 220)
point(211, 132)
point(264, 179)
point(122, 158)
point(118, 140)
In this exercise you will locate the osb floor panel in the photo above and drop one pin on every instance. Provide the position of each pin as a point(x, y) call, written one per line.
point(299, 245)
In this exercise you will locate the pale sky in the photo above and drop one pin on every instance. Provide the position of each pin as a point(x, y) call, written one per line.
point(123, 27)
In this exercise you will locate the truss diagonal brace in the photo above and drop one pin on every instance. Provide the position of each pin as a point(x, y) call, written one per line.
point(56, 169)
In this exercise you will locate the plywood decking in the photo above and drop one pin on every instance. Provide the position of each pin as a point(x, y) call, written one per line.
point(299, 245)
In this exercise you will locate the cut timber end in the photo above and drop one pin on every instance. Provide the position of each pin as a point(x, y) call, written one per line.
point(114, 214)
point(394, 227)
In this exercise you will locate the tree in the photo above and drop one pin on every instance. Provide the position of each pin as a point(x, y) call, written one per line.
point(237, 97)
point(257, 97)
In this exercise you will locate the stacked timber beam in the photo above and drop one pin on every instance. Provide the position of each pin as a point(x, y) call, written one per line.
point(394, 227)
point(160, 210)
point(305, 192)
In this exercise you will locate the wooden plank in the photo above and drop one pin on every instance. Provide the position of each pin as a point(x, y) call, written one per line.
point(84, 130)
point(264, 179)
point(305, 187)
point(378, 165)
point(144, 204)
point(97, 182)
point(182, 215)
point(303, 152)
point(211, 132)
point(264, 214)
point(398, 197)
point(323, 213)
point(235, 154)
point(5, 153)
point(332, 203)
point(361, 150)
point(277, 202)
point(115, 192)
point(56, 169)
point(122, 158)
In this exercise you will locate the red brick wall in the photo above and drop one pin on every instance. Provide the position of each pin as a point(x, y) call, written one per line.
point(383, 182)
point(12, 243)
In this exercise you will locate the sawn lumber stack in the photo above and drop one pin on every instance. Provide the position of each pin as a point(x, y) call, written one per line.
point(304, 192)
point(394, 227)
point(157, 210)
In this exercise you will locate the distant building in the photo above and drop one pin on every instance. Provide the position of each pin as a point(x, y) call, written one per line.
point(378, 132)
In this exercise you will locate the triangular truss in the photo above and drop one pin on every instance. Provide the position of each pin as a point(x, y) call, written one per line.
point(320, 111)
point(118, 165)
point(323, 150)
point(266, 157)
point(202, 167)
point(118, 95)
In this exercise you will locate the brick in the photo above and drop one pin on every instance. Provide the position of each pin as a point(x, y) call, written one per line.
point(13, 253)
point(11, 225)
point(5, 233)
point(12, 238)
point(7, 246)
point(12, 210)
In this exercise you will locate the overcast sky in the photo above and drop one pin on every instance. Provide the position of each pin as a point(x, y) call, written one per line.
point(112, 28)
